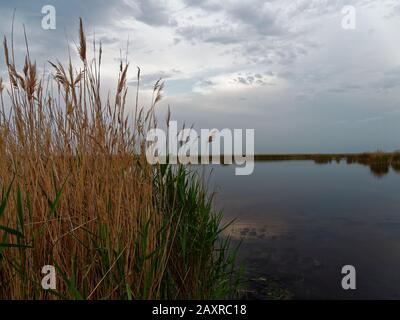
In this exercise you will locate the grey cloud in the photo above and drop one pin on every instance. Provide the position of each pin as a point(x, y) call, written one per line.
point(55, 43)
point(254, 28)
point(105, 40)
point(279, 51)
point(151, 12)
point(395, 12)
point(254, 15)
point(389, 80)
point(222, 34)
point(149, 79)
point(209, 5)
point(345, 88)
point(370, 119)
point(241, 80)
point(318, 8)
point(177, 41)
point(248, 15)
point(206, 83)
point(252, 79)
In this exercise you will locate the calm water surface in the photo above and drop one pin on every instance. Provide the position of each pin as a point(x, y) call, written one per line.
point(300, 223)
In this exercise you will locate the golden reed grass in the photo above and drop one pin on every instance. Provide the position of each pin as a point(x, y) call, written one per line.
point(77, 193)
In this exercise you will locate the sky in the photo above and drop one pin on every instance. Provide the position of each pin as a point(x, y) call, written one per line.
point(286, 68)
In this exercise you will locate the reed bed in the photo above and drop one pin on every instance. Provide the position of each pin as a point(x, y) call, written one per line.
point(76, 192)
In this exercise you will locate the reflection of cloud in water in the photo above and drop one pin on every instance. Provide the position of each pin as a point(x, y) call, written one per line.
point(266, 228)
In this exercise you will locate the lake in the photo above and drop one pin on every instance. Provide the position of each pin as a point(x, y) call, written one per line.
point(301, 222)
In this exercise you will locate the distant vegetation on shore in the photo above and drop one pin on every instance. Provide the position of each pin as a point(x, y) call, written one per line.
point(365, 157)
point(379, 162)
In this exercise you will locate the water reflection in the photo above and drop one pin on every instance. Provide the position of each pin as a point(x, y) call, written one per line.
point(396, 167)
point(251, 230)
point(299, 223)
point(378, 169)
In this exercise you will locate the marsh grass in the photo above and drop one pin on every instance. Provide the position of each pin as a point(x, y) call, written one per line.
point(76, 192)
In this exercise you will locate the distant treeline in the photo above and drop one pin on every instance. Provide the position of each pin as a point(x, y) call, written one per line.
point(366, 157)
point(378, 162)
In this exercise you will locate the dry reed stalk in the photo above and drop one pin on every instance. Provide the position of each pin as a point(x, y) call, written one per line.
point(77, 192)
point(74, 169)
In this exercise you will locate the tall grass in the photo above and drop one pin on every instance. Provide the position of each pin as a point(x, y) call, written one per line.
point(76, 192)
